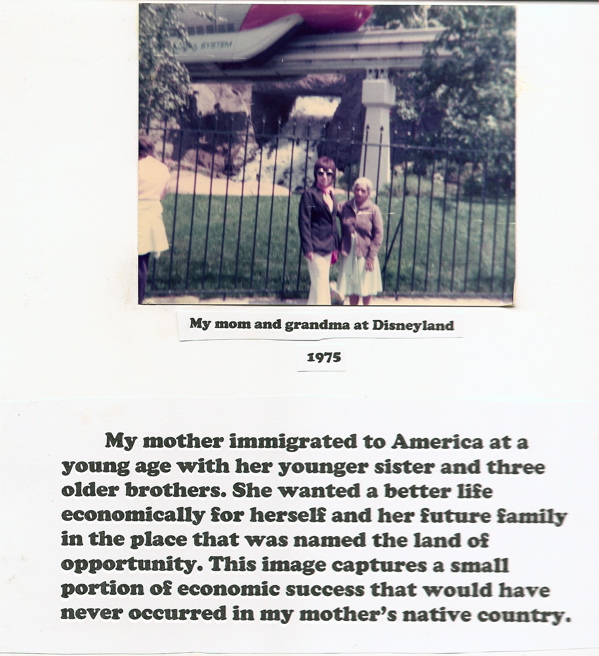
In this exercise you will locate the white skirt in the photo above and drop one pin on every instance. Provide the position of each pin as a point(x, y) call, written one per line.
point(354, 279)
point(151, 234)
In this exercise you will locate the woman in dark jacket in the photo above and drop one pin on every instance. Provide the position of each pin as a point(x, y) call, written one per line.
point(319, 236)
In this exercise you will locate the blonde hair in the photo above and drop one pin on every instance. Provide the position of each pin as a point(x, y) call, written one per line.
point(365, 182)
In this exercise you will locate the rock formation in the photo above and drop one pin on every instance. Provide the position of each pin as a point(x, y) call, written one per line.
point(225, 116)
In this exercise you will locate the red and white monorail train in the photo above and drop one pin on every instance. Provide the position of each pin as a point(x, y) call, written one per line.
point(234, 33)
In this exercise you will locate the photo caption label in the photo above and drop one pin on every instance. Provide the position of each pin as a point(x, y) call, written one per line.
point(318, 324)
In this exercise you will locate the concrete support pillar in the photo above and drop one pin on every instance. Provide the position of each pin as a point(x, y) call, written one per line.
point(378, 97)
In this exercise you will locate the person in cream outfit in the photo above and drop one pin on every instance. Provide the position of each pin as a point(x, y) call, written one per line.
point(153, 179)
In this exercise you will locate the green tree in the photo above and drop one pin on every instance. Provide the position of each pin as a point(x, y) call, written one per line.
point(406, 16)
point(469, 93)
point(474, 86)
point(163, 82)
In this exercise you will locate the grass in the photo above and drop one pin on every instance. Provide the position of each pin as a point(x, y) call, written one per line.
point(234, 245)
point(444, 246)
point(449, 247)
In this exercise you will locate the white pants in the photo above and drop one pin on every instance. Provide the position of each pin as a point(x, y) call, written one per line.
point(320, 288)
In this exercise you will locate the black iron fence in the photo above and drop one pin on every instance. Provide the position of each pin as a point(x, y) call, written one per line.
point(232, 216)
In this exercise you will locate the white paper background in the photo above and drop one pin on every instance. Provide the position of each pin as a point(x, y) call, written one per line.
point(71, 328)
point(561, 436)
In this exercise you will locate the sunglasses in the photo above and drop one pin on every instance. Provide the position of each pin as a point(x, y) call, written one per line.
point(322, 172)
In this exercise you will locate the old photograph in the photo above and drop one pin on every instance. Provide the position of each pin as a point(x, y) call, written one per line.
point(327, 154)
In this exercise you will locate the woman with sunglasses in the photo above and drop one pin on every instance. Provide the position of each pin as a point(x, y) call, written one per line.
point(361, 238)
point(319, 236)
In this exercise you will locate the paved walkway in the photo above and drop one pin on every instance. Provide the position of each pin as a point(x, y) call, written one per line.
point(388, 301)
point(187, 182)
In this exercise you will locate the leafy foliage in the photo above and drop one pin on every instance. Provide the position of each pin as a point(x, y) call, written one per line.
point(475, 86)
point(406, 16)
point(163, 81)
point(468, 97)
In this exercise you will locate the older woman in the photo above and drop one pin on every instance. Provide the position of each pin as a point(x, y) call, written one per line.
point(361, 238)
point(153, 178)
point(318, 229)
